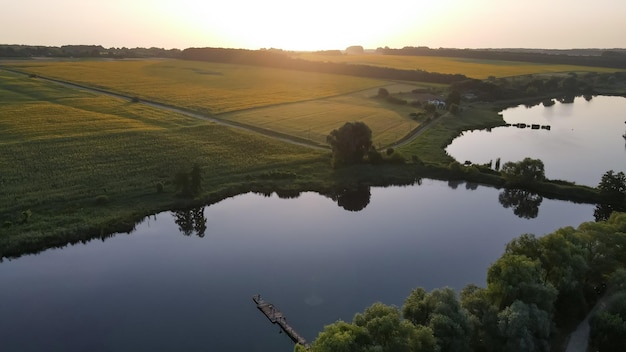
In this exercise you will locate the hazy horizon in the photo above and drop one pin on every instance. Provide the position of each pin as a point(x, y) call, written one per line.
point(319, 25)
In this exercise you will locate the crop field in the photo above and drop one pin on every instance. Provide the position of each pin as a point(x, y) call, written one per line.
point(60, 148)
point(209, 88)
point(474, 68)
point(314, 119)
point(305, 105)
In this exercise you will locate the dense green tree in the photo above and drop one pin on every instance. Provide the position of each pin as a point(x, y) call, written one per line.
point(524, 328)
point(442, 312)
point(525, 172)
point(613, 185)
point(379, 329)
point(483, 318)
point(350, 143)
point(519, 278)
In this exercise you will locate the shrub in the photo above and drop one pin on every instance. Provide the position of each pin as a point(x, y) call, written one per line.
point(102, 199)
point(397, 158)
point(374, 157)
point(389, 151)
point(7, 224)
point(159, 187)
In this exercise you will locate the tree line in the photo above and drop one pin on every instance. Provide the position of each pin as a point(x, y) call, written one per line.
point(606, 58)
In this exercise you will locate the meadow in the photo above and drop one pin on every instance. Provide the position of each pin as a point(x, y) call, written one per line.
point(473, 68)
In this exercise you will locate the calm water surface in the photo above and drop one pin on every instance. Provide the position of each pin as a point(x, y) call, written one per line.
point(584, 141)
point(160, 290)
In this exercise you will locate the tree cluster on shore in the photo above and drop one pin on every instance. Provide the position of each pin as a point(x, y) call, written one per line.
point(535, 292)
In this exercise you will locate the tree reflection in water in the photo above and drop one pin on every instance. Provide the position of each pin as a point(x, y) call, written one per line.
point(353, 199)
point(524, 203)
point(191, 221)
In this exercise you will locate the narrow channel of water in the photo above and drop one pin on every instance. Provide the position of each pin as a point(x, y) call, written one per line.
point(168, 287)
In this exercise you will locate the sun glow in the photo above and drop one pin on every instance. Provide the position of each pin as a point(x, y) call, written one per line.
point(315, 25)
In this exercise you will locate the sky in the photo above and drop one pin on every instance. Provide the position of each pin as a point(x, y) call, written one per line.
point(316, 25)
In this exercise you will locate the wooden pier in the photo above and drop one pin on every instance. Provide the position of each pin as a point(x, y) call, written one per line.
point(276, 317)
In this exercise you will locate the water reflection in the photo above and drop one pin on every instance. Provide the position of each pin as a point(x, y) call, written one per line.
point(191, 221)
point(353, 199)
point(525, 204)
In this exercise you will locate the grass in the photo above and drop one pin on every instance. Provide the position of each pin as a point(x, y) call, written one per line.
point(473, 68)
point(64, 151)
point(430, 145)
point(210, 88)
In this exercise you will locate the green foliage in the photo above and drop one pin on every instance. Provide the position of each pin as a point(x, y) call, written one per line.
point(350, 143)
point(482, 316)
point(278, 175)
point(7, 224)
point(519, 278)
point(159, 187)
point(397, 158)
point(442, 312)
point(608, 324)
point(525, 172)
point(613, 185)
point(374, 157)
point(379, 328)
point(525, 328)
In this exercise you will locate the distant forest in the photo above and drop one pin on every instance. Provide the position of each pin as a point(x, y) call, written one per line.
point(615, 58)
point(27, 51)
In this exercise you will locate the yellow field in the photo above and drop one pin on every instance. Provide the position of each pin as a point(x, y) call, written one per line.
point(210, 88)
point(473, 68)
point(306, 105)
point(314, 119)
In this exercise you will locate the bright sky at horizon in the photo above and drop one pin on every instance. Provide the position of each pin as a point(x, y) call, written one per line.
point(316, 25)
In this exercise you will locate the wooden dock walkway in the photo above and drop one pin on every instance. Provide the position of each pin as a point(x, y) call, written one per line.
point(276, 317)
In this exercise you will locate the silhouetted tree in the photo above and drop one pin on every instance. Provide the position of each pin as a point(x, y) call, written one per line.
point(350, 143)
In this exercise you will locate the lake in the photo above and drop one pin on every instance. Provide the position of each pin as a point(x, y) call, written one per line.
point(164, 287)
point(584, 141)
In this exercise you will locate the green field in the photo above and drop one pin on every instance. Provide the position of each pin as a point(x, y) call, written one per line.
point(62, 148)
point(474, 68)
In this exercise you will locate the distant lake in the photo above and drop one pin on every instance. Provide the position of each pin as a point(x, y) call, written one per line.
point(584, 141)
point(164, 288)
